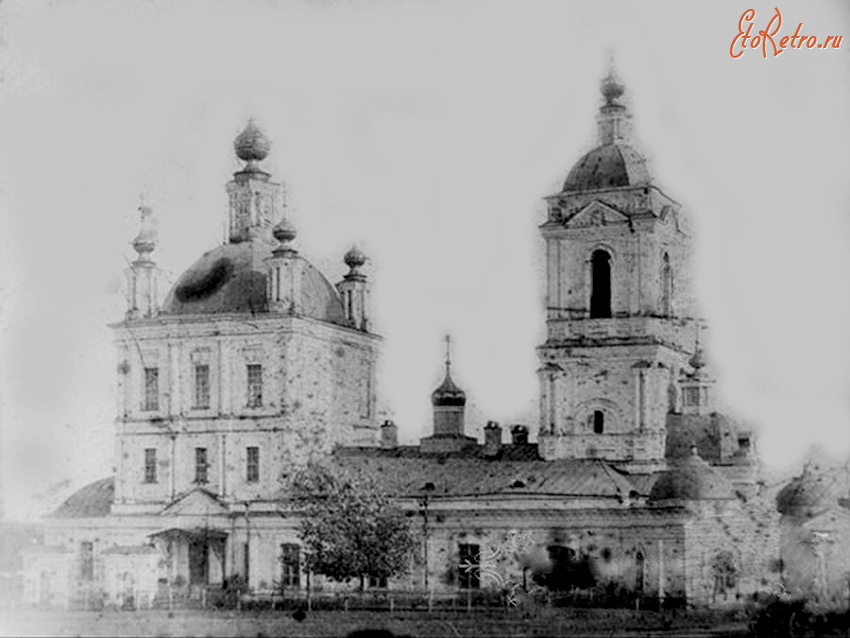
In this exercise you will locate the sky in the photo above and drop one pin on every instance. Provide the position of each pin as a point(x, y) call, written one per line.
point(429, 133)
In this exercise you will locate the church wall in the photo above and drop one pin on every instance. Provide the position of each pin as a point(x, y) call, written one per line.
point(722, 530)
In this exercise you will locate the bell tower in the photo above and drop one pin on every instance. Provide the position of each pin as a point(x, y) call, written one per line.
point(619, 309)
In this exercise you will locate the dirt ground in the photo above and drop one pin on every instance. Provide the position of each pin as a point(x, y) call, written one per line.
point(551, 622)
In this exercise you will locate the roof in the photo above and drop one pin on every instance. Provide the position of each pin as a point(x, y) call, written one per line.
point(129, 550)
point(609, 165)
point(92, 501)
point(715, 435)
point(232, 279)
point(691, 479)
point(403, 472)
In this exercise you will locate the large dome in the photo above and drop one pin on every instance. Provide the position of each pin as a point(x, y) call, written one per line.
point(232, 279)
point(606, 166)
point(814, 491)
point(691, 479)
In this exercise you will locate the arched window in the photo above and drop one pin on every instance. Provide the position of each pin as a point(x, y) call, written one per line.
point(600, 282)
point(640, 572)
point(598, 422)
point(666, 286)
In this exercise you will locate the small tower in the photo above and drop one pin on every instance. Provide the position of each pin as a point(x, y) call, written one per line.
point(255, 200)
point(285, 271)
point(449, 403)
point(143, 276)
point(354, 290)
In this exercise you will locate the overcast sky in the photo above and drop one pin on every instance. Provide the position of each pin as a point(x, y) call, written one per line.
point(429, 132)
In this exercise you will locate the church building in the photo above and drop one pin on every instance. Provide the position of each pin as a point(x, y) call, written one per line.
point(255, 363)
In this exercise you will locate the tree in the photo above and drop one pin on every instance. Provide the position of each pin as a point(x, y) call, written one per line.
point(350, 527)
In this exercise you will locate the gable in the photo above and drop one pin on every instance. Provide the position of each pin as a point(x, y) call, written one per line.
point(596, 214)
point(198, 502)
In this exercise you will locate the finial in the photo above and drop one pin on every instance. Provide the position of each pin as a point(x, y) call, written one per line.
point(612, 89)
point(354, 259)
point(448, 352)
point(251, 145)
point(697, 361)
point(145, 242)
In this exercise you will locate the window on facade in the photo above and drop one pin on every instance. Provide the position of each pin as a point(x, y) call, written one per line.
point(600, 282)
point(202, 386)
point(725, 572)
point(691, 396)
point(377, 582)
point(290, 561)
point(151, 398)
point(255, 385)
point(469, 566)
point(598, 422)
point(640, 572)
point(252, 474)
point(201, 465)
point(86, 561)
point(150, 465)
point(744, 443)
point(666, 286)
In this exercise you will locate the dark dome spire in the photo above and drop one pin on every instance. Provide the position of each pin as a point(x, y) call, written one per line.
point(448, 394)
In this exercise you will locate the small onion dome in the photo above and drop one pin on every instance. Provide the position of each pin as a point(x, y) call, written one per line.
point(691, 479)
point(354, 258)
point(251, 145)
point(144, 243)
point(284, 231)
point(612, 89)
point(448, 394)
point(697, 361)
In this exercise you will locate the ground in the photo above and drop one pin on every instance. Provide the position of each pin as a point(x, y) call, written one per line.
point(543, 622)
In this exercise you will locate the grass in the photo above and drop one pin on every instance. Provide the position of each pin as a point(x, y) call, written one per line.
point(539, 622)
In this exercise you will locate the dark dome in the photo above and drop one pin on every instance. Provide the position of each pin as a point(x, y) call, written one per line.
point(232, 279)
point(606, 166)
point(814, 491)
point(448, 393)
point(691, 479)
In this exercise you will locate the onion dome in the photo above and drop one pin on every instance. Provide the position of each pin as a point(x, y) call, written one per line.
point(691, 479)
point(251, 145)
point(145, 242)
point(809, 494)
point(612, 90)
point(354, 258)
point(448, 394)
point(284, 231)
point(697, 361)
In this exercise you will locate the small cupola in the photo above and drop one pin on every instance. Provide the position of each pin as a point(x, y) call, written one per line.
point(354, 290)
point(143, 276)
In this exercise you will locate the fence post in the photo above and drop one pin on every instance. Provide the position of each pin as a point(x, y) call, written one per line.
point(170, 597)
point(430, 600)
point(392, 607)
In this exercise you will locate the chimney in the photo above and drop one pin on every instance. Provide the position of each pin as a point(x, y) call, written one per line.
point(389, 434)
point(492, 439)
point(519, 434)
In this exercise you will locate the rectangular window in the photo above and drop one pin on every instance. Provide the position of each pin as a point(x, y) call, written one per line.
point(255, 385)
point(290, 561)
point(201, 465)
point(202, 386)
point(376, 582)
point(150, 465)
point(87, 561)
point(252, 474)
point(469, 566)
point(151, 399)
point(691, 396)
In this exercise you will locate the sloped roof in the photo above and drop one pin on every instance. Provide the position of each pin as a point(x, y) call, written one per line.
point(715, 435)
point(407, 474)
point(92, 501)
